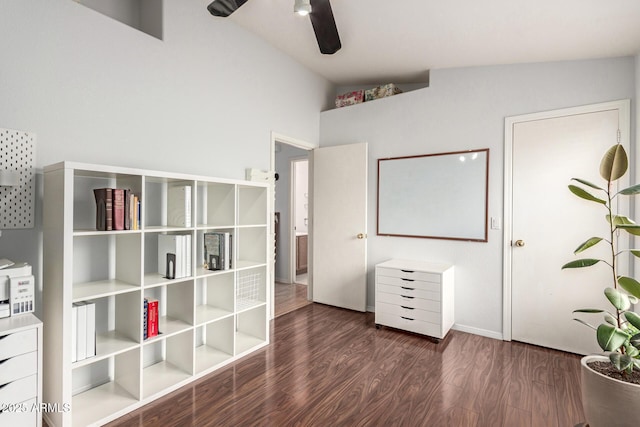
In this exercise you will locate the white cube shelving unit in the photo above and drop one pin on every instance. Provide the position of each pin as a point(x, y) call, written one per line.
point(207, 319)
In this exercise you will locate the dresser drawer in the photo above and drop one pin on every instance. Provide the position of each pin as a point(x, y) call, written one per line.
point(19, 415)
point(19, 390)
point(408, 312)
point(410, 292)
point(408, 283)
point(18, 343)
point(409, 274)
point(18, 367)
point(408, 324)
point(422, 304)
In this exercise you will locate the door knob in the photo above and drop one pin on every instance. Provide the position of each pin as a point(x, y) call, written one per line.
point(519, 243)
point(360, 236)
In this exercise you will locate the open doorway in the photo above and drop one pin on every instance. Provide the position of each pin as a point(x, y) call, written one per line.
point(292, 281)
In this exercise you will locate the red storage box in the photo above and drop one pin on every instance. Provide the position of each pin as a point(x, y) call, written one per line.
point(350, 98)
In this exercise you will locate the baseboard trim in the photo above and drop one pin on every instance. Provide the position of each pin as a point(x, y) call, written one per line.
point(478, 331)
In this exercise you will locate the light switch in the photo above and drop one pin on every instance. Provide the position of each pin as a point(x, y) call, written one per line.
point(496, 223)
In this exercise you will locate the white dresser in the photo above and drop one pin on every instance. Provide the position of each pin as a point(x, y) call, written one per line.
point(416, 296)
point(20, 371)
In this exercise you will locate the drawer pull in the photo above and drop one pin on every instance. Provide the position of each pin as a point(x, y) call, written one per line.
point(408, 280)
point(408, 289)
point(407, 308)
point(407, 271)
point(406, 318)
point(407, 297)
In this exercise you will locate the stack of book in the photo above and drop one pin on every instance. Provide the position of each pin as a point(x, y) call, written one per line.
point(174, 255)
point(218, 250)
point(117, 209)
point(150, 318)
point(83, 336)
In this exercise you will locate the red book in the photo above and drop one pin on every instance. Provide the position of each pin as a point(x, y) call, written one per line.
point(152, 318)
point(118, 209)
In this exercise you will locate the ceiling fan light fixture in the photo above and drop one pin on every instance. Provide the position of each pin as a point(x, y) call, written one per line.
point(302, 7)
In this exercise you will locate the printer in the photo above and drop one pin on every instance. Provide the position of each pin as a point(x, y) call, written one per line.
point(17, 290)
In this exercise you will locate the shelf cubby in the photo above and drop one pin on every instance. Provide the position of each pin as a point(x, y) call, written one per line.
point(251, 202)
point(200, 261)
point(214, 344)
point(251, 329)
point(105, 387)
point(106, 263)
point(216, 205)
point(251, 288)
point(152, 275)
point(167, 363)
point(214, 297)
point(175, 307)
point(160, 212)
point(84, 203)
point(250, 248)
point(118, 328)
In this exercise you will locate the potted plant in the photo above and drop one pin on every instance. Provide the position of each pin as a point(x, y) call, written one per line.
point(611, 381)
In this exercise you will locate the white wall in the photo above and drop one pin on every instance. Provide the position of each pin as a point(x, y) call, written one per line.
point(204, 100)
point(464, 109)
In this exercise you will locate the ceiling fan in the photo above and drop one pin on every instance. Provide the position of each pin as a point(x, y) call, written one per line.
point(319, 11)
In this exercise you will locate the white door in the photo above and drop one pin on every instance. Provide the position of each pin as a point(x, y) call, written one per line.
point(550, 223)
point(339, 226)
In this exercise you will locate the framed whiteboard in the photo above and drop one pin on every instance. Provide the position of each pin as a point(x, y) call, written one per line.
point(437, 196)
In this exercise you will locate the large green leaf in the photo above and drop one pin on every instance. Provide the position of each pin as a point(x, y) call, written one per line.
point(635, 341)
point(614, 164)
point(587, 183)
point(631, 350)
point(622, 362)
point(586, 245)
point(635, 252)
point(610, 338)
point(630, 285)
point(579, 263)
point(617, 298)
point(582, 193)
point(634, 189)
point(619, 220)
point(631, 228)
point(633, 318)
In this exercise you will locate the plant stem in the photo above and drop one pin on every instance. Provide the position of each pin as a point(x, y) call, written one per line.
point(612, 242)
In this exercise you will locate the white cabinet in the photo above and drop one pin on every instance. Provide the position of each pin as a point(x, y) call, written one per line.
point(20, 371)
point(416, 296)
point(206, 319)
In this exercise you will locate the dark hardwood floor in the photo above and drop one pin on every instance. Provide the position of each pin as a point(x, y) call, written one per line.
point(331, 367)
point(289, 297)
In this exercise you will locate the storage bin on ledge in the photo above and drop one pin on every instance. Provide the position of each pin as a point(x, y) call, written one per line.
point(381, 92)
point(350, 98)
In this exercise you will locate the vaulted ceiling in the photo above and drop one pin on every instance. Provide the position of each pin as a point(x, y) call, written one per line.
point(399, 41)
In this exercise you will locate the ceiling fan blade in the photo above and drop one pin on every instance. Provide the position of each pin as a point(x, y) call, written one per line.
point(325, 27)
point(224, 8)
